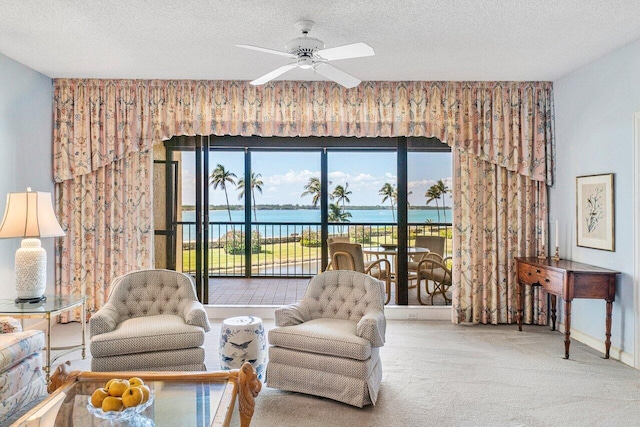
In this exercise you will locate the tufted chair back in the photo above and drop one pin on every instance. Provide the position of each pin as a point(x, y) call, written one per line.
point(152, 292)
point(342, 294)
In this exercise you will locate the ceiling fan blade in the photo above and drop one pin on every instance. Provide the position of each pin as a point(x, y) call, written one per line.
point(355, 50)
point(337, 75)
point(265, 50)
point(272, 75)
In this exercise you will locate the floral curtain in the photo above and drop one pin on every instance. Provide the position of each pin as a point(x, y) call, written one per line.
point(496, 218)
point(98, 123)
point(106, 215)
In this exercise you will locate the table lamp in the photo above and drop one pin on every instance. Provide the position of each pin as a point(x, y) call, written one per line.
point(30, 216)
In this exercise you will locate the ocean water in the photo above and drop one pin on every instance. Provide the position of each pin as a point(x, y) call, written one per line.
point(306, 216)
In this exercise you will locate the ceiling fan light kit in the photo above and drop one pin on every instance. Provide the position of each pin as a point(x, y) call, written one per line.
point(310, 53)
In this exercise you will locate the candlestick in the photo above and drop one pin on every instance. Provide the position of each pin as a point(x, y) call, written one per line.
point(556, 257)
point(543, 253)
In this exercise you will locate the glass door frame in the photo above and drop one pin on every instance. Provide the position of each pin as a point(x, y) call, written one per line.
point(202, 145)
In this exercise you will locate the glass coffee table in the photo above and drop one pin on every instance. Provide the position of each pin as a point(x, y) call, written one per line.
point(54, 305)
point(178, 399)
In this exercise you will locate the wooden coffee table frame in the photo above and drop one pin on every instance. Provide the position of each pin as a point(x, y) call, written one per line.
point(241, 383)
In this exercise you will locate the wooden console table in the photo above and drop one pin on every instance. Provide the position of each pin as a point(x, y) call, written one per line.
point(568, 280)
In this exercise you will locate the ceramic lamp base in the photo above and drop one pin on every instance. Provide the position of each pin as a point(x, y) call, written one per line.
point(31, 269)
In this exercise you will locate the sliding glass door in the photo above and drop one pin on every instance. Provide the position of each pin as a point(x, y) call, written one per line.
point(265, 206)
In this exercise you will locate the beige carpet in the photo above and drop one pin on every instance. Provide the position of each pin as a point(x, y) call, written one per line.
point(439, 374)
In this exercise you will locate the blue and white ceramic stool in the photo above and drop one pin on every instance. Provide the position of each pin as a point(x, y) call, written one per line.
point(242, 340)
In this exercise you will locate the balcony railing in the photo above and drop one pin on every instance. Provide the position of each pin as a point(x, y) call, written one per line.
point(286, 249)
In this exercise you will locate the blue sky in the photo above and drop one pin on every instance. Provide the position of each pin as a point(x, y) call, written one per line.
point(285, 174)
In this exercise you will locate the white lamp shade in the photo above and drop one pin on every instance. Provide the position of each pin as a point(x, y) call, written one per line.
point(29, 214)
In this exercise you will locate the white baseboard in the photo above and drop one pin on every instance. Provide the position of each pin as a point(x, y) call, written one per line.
point(598, 344)
point(394, 312)
point(265, 312)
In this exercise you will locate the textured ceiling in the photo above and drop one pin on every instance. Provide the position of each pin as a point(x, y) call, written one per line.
point(413, 39)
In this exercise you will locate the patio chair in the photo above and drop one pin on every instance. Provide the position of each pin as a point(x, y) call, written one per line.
point(433, 270)
point(335, 239)
point(435, 244)
point(349, 256)
point(338, 239)
point(327, 344)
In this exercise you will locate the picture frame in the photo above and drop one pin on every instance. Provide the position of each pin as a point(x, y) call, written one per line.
point(595, 219)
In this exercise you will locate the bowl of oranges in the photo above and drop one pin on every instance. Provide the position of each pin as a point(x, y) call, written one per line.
point(120, 399)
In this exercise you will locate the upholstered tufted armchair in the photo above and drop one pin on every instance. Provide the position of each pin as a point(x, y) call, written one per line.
point(327, 344)
point(151, 321)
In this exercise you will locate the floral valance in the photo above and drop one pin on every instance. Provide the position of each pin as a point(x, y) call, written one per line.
point(96, 122)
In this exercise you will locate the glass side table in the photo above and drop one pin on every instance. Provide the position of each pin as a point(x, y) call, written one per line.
point(54, 305)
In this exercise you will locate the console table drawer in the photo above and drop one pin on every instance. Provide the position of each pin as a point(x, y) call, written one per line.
point(549, 280)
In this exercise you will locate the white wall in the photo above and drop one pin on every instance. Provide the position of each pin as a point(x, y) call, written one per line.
point(26, 122)
point(594, 106)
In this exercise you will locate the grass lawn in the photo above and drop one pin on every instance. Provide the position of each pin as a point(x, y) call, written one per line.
point(273, 253)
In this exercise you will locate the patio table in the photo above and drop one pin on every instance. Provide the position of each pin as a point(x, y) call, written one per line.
point(393, 253)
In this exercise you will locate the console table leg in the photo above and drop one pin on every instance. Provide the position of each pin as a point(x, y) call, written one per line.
point(553, 312)
point(567, 328)
point(520, 305)
point(607, 341)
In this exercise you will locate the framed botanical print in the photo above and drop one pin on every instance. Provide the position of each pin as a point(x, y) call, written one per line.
point(594, 211)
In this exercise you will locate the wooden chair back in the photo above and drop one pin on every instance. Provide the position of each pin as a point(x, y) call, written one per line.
point(347, 256)
point(435, 244)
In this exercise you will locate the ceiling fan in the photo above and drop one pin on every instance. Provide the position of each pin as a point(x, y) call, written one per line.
point(309, 53)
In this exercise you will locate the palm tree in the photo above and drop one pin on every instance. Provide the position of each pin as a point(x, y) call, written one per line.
point(219, 178)
point(443, 189)
point(433, 193)
point(256, 184)
point(313, 188)
point(337, 214)
point(341, 194)
point(389, 192)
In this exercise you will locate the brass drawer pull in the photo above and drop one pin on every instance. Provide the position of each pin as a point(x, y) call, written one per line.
point(546, 280)
point(538, 271)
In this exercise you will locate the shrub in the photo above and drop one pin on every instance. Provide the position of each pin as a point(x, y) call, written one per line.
point(310, 238)
point(415, 231)
point(360, 234)
point(234, 243)
point(447, 234)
